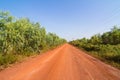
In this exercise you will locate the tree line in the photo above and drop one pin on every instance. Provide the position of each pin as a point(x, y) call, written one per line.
point(105, 46)
point(19, 36)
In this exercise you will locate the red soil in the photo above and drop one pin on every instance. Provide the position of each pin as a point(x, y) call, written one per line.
point(63, 63)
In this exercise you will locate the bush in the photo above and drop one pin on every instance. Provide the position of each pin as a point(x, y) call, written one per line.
point(23, 37)
point(7, 59)
point(105, 47)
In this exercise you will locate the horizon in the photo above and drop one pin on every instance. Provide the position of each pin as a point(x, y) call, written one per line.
point(69, 19)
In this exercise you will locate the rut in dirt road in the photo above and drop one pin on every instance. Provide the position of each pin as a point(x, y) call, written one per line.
point(63, 63)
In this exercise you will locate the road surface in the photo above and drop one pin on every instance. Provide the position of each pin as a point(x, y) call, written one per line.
point(63, 63)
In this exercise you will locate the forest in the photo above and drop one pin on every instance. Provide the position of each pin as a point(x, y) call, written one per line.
point(19, 37)
point(104, 46)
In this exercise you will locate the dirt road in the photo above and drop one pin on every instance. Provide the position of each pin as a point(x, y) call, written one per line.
point(63, 63)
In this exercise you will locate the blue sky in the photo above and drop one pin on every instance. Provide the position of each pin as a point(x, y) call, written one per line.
point(70, 19)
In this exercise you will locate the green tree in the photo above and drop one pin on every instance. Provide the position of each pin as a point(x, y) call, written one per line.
point(96, 39)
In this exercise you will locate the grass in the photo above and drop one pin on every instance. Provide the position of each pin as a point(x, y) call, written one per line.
point(7, 60)
point(109, 59)
point(109, 54)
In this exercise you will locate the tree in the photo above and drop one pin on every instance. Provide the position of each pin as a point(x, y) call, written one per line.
point(96, 39)
point(112, 37)
point(23, 36)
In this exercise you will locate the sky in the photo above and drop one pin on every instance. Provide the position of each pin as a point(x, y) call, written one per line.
point(69, 19)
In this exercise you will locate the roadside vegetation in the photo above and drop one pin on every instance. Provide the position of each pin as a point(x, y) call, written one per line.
point(104, 46)
point(21, 37)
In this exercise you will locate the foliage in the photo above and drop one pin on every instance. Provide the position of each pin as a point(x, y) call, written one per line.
point(105, 46)
point(23, 37)
point(7, 59)
point(112, 37)
point(53, 40)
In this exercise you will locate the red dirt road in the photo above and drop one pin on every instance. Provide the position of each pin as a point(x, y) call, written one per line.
point(63, 63)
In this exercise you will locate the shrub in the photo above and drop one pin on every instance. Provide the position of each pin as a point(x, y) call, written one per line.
point(7, 59)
